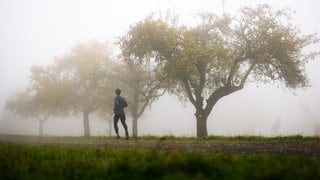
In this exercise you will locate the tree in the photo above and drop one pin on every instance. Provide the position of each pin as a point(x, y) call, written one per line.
point(85, 66)
point(21, 104)
point(44, 97)
point(140, 86)
point(221, 54)
point(105, 113)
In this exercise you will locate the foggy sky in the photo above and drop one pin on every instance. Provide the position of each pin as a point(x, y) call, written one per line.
point(36, 31)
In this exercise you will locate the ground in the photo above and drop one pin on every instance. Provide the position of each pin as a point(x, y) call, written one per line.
point(254, 145)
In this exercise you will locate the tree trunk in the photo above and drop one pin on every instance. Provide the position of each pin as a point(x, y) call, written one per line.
point(86, 124)
point(134, 114)
point(41, 123)
point(110, 127)
point(201, 126)
point(135, 127)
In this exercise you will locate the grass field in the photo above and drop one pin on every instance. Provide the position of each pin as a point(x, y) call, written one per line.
point(35, 161)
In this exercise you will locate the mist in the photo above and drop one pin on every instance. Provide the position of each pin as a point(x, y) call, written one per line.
point(36, 32)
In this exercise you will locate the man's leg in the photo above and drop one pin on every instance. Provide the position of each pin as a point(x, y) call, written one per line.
point(123, 122)
point(115, 124)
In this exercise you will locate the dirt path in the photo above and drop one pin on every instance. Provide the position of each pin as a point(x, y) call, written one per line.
point(309, 148)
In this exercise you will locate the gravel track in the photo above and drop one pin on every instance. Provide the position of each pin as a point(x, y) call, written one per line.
point(308, 148)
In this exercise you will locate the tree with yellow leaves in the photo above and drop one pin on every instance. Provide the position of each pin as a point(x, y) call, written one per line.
point(221, 54)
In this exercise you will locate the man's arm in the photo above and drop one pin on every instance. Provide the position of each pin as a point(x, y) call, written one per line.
point(125, 104)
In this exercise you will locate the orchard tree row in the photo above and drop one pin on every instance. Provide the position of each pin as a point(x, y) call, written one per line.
point(203, 63)
point(83, 81)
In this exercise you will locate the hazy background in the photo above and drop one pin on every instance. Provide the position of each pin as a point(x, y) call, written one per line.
point(35, 31)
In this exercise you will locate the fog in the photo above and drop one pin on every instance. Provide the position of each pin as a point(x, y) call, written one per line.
point(36, 31)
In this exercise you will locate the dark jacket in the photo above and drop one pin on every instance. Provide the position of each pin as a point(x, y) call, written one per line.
point(119, 104)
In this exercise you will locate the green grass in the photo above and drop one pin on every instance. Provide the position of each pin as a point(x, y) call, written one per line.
point(297, 137)
point(233, 138)
point(56, 162)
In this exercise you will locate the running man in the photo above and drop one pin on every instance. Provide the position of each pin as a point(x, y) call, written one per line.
point(119, 105)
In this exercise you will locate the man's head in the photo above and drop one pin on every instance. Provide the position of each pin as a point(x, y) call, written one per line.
point(118, 91)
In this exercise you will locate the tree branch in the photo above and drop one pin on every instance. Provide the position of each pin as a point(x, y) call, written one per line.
point(143, 108)
point(216, 95)
point(188, 90)
point(244, 78)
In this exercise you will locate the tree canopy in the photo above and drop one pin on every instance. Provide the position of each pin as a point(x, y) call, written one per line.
point(86, 66)
point(220, 54)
